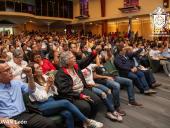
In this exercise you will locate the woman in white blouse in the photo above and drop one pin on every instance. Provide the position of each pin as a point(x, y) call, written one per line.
point(48, 105)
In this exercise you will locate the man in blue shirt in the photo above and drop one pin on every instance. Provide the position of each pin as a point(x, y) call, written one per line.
point(12, 108)
point(127, 69)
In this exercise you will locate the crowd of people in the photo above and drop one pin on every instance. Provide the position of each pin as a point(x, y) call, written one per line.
point(70, 76)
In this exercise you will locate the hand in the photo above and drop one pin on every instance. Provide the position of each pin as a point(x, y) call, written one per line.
point(142, 47)
point(90, 85)
point(87, 98)
point(141, 66)
point(110, 78)
point(132, 70)
point(135, 69)
point(98, 48)
point(50, 80)
point(10, 123)
point(27, 71)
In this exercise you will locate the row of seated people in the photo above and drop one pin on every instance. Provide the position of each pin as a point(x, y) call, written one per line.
point(70, 84)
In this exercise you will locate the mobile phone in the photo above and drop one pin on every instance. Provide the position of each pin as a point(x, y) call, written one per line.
point(91, 100)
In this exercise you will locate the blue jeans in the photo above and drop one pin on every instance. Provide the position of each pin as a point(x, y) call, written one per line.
point(52, 107)
point(129, 85)
point(108, 100)
point(139, 80)
point(115, 86)
point(68, 118)
point(149, 77)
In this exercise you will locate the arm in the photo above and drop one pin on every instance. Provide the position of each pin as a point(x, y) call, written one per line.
point(134, 54)
point(31, 83)
point(97, 76)
point(86, 61)
point(109, 55)
point(97, 60)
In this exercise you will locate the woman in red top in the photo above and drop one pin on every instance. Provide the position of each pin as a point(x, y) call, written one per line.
point(45, 64)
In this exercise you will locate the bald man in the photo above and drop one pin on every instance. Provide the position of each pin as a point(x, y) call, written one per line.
point(13, 113)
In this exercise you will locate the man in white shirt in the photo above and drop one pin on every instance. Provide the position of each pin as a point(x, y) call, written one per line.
point(17, 65)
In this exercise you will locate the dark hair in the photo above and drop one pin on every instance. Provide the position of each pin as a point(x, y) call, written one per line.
point(82, 45)
point(32, 46)
point(119, 49)
point(22, 45)
point(70, 43)
point(31, 65)
point(10, 46)
point(2, 61)
point(160, 45)
point(36, 53)
point(153, 44)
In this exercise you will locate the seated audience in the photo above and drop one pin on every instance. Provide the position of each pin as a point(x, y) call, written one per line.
point(45, 64)
point(127, 69)
point(46, 102)
point(70, 83)
point(102, 91)
point(12, 104)
point(133, 56)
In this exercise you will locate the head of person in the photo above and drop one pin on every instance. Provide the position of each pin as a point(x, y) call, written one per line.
point(65, 47)
point(18, 56)
point(24, 46)
point(121, 50)
point(160, 47)
point(3, 53)
point(17, 44)
point(39, 45)
point(73, 47)
point(154, 46)
point(36, 69)
point(34, 47)
point(37, 57)
point(84, 47)
point(5, 73)
point(11, 48)
point(28, 43)
point(128, 49)
point(56, 57)
point(67, 59)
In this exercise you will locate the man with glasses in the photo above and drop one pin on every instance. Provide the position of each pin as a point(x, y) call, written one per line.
point(13, 113)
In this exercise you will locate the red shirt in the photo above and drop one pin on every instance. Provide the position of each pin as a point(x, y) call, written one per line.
point(47, 66)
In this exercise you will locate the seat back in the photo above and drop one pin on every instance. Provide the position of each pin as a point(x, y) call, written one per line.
point(154, 64)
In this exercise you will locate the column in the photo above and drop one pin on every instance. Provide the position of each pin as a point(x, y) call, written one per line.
point(103, 8)
point(104, 27)
point(103, 14)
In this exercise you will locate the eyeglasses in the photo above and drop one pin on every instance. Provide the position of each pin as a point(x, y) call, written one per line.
point(19, 57)
point(8, 70)
point(38, 56)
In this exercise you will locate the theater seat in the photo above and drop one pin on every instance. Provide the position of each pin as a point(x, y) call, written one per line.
point(154, 64)
point(33, 108)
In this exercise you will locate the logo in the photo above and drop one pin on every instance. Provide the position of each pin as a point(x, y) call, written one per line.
point(160, 21)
